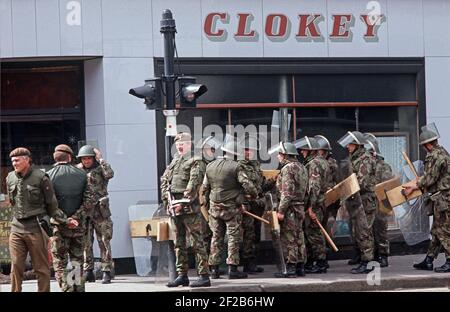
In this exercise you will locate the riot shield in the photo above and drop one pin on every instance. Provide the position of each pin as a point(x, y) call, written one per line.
point(412, 216)
point(154, 257)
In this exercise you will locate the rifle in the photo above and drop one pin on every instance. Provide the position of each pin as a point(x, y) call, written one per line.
point(185, 203)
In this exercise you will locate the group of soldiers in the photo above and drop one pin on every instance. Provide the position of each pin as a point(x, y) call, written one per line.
point(63, 206)
point(213, 202)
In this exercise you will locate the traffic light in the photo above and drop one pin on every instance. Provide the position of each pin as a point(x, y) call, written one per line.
point(151, 92)
point(190, 91)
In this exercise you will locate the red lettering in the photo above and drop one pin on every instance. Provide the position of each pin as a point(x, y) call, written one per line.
point(371, 23)
point(211, 20)
point(341, 22)
point(282, 27)
point(310, 26)
point(245, 20)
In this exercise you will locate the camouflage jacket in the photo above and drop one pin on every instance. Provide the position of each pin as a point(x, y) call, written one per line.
point(184, 176)
point(383, 171)
point(98, 177)
point(333, 177)
point(224, 184)
point(318, 173)
point(292, 184)
point(364, 166)
point(253, 170)
point(436, 172)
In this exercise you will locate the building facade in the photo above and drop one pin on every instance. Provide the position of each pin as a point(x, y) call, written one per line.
point(337, 65)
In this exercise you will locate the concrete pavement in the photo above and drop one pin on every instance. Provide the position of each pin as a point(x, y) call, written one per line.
point(398, 276)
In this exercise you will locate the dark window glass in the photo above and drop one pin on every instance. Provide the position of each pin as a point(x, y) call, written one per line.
point(355, 88)
point(246, 89)
point(41, 88)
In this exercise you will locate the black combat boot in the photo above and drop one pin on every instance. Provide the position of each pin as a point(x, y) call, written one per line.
point(326, 264)
point(106, 277)
point(290, 271)
point(250, 267)
point(202, 281)
point(90, 276)
point(443, 269)
point(309, 265)
point(356, 257)
point(426, 264)
point(300, 270)
point(319, 267)
point(383, 260)
point(181, 280)
point(362, 268)
point(233, 272)
point(215, 272)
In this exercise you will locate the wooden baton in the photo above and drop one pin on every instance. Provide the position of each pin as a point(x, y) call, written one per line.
point(256, 217)
point(327, 237)
point(410, 164)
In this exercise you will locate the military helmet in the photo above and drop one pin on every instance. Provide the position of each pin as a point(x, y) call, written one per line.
point(284, 148)
point(232, 147)
point(352, 137)
point(373, 147)
point(64, 148)
point(323, 142)
point(251, 143)
point(183, 137)
point(427, 136)
point(307, 143)
point(370, 137)
point(86, 151)
point(210, 142)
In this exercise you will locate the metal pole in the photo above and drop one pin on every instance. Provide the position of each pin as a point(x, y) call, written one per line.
point(168, 30)
point(284, 113)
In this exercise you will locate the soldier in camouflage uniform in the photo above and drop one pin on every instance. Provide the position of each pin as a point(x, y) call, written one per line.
point(436, 182)
point(362, 206)
point(318, 174)
point(208, 149)
point(32, 200)
point(225, 184)
point(251, 167)
point(383, 172)
point(331, 211)
point(70, 184)
point(292, 184)
point(99, 172)
point(182, 180)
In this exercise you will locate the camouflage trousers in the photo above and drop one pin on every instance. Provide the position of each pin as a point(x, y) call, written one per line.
point(361, 232)
point(380, 227)
point(248, 238)
point(315, 241)
point(219, 228)
point(104, 231)
point(64, 248)
point(440, 234)
point(292, 237)
point(192, 224)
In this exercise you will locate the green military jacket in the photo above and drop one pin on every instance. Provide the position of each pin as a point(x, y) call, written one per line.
point(31, 196)
point(224, 184)
point(383, 171)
